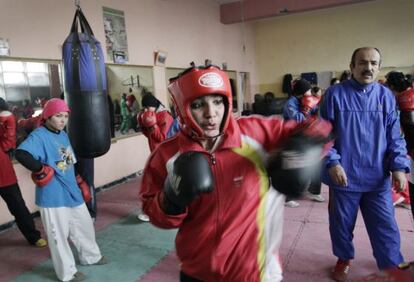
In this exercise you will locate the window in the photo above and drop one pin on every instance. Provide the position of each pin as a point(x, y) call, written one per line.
point(23, 83)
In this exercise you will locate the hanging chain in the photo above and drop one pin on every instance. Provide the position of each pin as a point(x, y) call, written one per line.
point(77, 4)
point(243, 26)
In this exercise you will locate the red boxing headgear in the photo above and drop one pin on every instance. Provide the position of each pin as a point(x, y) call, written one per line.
point(195, 83)
point(54, 106)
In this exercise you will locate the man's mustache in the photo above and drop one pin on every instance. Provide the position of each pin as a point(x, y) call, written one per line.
point(367, 73)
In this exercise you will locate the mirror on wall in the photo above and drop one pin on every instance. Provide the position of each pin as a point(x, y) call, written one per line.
point(244, 95)
point(171, 73)
point(26, 84)
point(233, 83)
point(22, 83)
point(126, 85)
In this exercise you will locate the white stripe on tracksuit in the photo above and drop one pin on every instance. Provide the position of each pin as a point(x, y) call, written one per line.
point(273, 222)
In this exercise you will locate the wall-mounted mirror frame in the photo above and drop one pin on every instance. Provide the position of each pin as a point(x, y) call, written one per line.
point(126, 85)
point(26, 84)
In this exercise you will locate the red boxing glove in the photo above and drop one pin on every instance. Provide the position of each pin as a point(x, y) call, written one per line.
point(318, 130)
point(309, 102)
point(44, 176)
point(315, 127)
point(405, 101)
point(148, 119)
point(84, 187)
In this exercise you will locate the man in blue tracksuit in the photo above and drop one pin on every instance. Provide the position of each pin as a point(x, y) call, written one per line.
point(369, 152)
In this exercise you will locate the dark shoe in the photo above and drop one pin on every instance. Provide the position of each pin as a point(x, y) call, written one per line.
point(78, 276)
point(404, 205)
point(341, 270)
point(102, 261)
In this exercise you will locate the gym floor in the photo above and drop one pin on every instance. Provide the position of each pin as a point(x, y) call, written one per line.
point(137, 251)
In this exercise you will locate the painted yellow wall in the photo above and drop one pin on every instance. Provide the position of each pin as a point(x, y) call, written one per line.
point(324, 40)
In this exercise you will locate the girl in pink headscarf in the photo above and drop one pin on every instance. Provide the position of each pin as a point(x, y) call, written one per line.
point(48, 153)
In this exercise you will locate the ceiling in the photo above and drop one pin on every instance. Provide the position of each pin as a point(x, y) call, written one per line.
point(234, 11)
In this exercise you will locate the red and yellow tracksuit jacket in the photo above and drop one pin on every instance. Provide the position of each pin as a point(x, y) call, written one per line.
point(233, 233)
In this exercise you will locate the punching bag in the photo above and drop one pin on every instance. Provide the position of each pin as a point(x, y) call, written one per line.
point(85, 90)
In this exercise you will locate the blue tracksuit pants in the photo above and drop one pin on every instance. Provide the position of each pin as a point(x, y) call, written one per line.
point(378, 214)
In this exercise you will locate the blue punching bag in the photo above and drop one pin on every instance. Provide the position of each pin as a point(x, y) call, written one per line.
point(85, 91)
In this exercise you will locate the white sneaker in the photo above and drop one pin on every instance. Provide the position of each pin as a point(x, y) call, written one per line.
point(143, 217)
point(317, 198)
point(292, 204)
point(398, 201)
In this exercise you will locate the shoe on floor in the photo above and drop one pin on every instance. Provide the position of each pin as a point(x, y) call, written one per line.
point(315, 197)
point(78, 276)
point(143, 217)
point(102, 261)
point(341, 270)
point(404, 205)
point(398, 201)
point(41, 243)
point(292, 204)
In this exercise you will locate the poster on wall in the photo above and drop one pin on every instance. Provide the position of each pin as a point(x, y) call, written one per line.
point(159, 58)
point(115, 35)
point(4, 47)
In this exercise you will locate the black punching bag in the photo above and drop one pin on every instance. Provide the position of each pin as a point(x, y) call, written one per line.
point(85, 91)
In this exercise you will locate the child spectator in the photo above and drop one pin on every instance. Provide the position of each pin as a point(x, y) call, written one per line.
point(48, 154)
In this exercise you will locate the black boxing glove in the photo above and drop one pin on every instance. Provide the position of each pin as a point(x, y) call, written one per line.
point(190, 177)
point(293, 166)
point(11, 154)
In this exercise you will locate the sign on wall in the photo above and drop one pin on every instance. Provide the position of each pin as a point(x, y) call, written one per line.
point(115, 34)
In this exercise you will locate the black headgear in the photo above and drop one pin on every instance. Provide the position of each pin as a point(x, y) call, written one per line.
point(300, 87)
point(397, 81)
point(148, 100)
point(3, 105)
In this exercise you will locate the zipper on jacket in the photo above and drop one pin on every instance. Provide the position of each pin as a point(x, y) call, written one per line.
point(213, 159)
point(217, 223)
